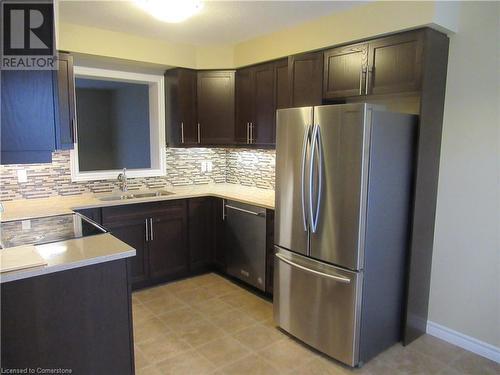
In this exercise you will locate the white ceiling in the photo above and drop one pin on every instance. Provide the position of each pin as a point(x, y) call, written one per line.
point(219, 22)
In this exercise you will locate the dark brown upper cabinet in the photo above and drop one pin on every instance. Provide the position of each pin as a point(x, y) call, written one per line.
point(216, 109)
point(345, 71)
point(64, 89)
point(282, 92)
point(182, 127)
point(395, 63)
point(255, 105)
point(305, 72)
point(244, 104)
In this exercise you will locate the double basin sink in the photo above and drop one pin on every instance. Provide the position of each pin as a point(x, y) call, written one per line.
point(127, 196)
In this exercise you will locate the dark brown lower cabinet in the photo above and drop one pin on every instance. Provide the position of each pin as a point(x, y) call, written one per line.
point(201, 229)
point(158, 233)
point(176, 238)
point(167, 245)
point(79, 319)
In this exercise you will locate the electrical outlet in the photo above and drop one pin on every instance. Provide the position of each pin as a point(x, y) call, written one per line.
point(209, 165)
point(22, 176)
point(203, 166)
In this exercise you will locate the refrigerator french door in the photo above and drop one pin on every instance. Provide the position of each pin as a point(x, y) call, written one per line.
point(324, 158)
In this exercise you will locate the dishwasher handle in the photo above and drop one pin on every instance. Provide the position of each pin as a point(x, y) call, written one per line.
point(245, 211)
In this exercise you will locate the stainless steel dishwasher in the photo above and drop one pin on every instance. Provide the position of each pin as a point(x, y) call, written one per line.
point(245, 241)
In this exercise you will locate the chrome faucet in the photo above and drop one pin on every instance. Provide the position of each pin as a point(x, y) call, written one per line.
point(122, 179)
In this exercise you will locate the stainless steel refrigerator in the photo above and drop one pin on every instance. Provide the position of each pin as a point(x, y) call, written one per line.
point(343, 199)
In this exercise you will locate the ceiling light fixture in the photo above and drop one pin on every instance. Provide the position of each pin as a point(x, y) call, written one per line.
point(172, 11)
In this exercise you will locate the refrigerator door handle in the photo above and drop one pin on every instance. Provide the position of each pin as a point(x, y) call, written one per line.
point(320, 176)
point(315, 149)
point(303, 175)
point(340, 279)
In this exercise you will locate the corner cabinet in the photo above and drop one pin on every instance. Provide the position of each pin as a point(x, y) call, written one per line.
point(256, 105)
point(216, 109)
point(37, 113)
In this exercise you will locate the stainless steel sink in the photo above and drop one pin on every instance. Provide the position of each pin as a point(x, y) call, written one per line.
point(127, 196)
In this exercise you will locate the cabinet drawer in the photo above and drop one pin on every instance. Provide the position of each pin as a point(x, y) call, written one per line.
point(142, 210)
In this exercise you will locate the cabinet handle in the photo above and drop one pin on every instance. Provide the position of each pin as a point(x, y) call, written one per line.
point(248, 132)
point(182, 132)
point(245, 211)
point(251, 132)
point(361, 73)
point(199, 133)
point(151, 231)
point(147, 231)
point(72, 131)
point(223, 210)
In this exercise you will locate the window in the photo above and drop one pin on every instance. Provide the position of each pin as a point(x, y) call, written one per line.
point(120, 124)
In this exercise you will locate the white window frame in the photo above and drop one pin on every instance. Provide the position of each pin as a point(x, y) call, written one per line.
point(157, 142)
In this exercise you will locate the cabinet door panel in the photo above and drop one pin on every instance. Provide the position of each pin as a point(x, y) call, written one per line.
point(306, 79)
point(215, 92)
point(180, 87)
point(201, 233)
point(168, 252)
point(282, 92)
point(345, 71)
point(244, 104)
point(263, 126)
point(64, 87)
point(133, 233)
point(27, 116)
point(395, 63)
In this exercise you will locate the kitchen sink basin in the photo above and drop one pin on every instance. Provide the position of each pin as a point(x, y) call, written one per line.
point(127, 196)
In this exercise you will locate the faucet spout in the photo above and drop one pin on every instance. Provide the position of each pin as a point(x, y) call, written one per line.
point(122, 179)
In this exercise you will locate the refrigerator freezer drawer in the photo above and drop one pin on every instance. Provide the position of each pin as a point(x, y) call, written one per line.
point(319, 304)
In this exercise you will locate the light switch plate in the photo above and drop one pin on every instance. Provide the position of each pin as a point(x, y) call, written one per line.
point(209, 165)
point(22, 176)
point(203, 166)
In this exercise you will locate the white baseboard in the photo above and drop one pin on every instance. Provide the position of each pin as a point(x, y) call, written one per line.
point(466, 342)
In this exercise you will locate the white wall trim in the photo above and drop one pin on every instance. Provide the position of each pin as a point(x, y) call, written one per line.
point(466, 342)
point(156, 124)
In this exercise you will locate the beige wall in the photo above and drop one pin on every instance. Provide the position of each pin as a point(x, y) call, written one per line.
point(360, 22)
point(465, 286)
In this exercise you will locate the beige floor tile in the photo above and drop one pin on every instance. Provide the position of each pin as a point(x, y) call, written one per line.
point(177, 319)
point(162, 347)
point(150, 293)
point(409, 361)
point(259, 336)
point(220, 351)
point(188, 363)
point(150, 370)
point(259, 310)
point(322, 366)
point(181, 286)
point(200, 332)
point(149, 329)
point(470, 363)
point(239, 299)
point(135, 300)
point(212, 308)
point(233, 321)
point(249, 365)
point(209, 279)
point(376, 367)
point(287, 355)
point(167, 302)
point(220, 289)
point(140, 313)
point(194, 296)
point(436, 348)
point(139, 359)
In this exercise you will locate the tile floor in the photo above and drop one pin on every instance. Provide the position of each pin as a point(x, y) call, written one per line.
point(209, 325)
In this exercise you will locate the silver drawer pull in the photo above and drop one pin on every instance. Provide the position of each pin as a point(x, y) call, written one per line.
point(340, 279)
point(243, 210)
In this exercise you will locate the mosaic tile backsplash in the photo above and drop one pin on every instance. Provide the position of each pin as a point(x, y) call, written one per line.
point(236, 166)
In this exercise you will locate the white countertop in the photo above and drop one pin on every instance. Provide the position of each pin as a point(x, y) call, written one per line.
point(74, 253)
point(31, 208)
